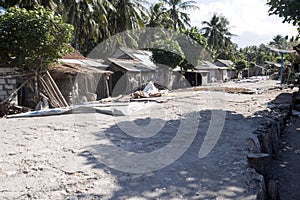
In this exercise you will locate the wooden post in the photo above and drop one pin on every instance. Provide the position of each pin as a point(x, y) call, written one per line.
point(36, 84)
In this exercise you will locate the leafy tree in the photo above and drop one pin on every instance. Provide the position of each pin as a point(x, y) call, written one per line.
point(186, 49)
point(195, 35)
point(257, 54)
point(29, 4)
point(281, 42)
point(288, 10)
point(217, 34)
point(193, 44)
point(176, 12)
point(89, 18)
point(32, 39)
point(240, 65)
point(229, 52)
point(167, 52)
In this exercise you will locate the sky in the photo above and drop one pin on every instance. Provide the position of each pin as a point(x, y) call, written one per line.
point(249, 20)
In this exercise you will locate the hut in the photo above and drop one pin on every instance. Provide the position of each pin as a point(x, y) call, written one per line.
point(131, 68)
point(129, 75)
point(79, 83)
point(254, 70)
point(230, 71)
point(212, 72)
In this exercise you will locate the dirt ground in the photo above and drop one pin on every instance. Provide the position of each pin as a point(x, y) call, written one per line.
point(74, 156)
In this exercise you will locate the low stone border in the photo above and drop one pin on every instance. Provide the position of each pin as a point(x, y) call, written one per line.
point(268, 135)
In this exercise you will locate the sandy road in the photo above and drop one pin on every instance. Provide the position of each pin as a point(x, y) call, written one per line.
point(70, 156)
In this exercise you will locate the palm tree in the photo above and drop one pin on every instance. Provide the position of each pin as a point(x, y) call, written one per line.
point(176, 8)
point(217, 33)
point(279, 41)
point(90, 22)
point(130, 14)
point(158, 16)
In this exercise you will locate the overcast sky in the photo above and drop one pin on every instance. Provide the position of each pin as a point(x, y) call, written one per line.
point(248, 19)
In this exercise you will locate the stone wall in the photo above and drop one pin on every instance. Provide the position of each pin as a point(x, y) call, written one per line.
point(8, 83)
point(268, 135)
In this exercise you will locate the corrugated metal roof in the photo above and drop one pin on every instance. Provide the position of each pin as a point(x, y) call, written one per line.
point(208, 66)
point(131, 65)
point(86, 62)
point(95, 63)
point(140, 55)
point(226, 62)
point(91, 65)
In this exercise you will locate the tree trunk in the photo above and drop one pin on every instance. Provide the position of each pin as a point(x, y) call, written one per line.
point(36, 86)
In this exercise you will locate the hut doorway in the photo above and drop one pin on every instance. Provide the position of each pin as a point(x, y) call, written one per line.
point(119, 84)
point(194, 78)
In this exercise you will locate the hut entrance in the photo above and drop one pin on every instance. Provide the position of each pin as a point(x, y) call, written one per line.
point(119, 84)
point(194, 78)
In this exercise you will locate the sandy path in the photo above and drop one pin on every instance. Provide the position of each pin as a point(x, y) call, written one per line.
point(61, 157)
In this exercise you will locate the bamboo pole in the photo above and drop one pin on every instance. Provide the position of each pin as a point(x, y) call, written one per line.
point(52, 98)
point(57, 89)
point(50, 85)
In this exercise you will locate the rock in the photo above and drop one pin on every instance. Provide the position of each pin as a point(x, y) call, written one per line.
point(259, 162)
point(252, 146)
point(256, 183)
point(262, 194)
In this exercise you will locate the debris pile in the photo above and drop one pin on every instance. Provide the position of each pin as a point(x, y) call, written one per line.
point(11, 108)
point(150, 90)
point(231, 90)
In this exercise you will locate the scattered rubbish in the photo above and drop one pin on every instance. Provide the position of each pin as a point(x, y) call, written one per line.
point(295, 88)
point(259, 91)
point(157, 100)
point(140, 94)
point(248, 81)
point(45, 112)
point(11, 108)
point(149, 91)
point(231, 90)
